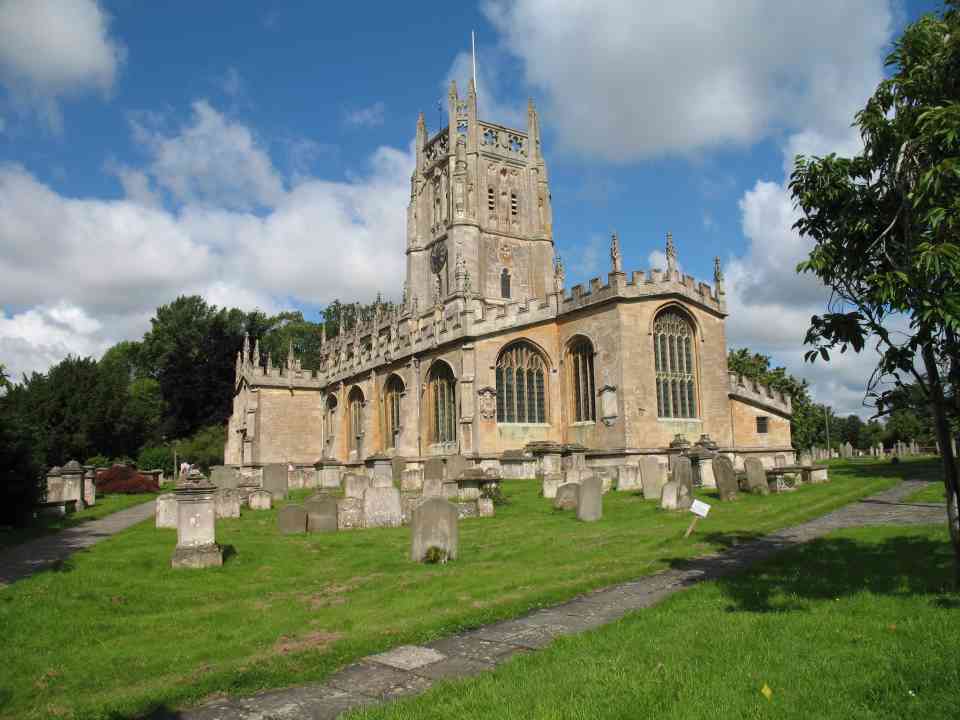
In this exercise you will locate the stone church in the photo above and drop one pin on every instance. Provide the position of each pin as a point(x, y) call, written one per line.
point(490, 356)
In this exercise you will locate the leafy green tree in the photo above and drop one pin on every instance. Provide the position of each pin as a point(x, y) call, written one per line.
point(885, 226)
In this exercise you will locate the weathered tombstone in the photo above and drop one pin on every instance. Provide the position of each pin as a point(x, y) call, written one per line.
point(89, 488)
point(196, 525)
point(260, 500)
point(411, 480)
point(806, 459)
point(72, 474)
point(451, 489)
point(469, 483)
point(606, 478)
point(292, 519)
point(847, 450)
point(550, 483)
point(756, 477)
point(704, 470)
point(432, 487)
point(380, 468)
point(349, 513)
point(456, 465)
point(227, 503)
point(354, 485)
point(381, 507)
point(675, 496)
point(433, 469)
point(321, 514)
point(683, 472)
point(567, 497)
point(398, 465)
point(275, 480)
point(628, 479)
point(485, 507)
point(779, 461)
point(652, 477)
point(434, 525)
point(224, 477)
point(726, 478)
point(590, 502)
point(166, 511)
point(330, 472)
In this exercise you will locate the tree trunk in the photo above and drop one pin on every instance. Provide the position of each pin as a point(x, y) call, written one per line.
point(942, 427)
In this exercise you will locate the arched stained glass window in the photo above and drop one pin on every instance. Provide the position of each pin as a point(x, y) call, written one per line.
point(393, 393)
point(442, 388)
point(521, 385)
point(673, 352)
point(581, 380)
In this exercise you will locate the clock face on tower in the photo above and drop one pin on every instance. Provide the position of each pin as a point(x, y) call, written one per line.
point(438, 257)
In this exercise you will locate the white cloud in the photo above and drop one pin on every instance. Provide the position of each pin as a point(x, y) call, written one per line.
point(50, 49)
point(491, 105)
point(84, 273)
point(371, 116)
point(627, 79)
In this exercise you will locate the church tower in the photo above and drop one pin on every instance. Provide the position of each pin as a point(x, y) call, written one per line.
point(479, 218)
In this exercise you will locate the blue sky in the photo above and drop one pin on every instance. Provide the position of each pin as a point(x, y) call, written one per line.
point(260, 153)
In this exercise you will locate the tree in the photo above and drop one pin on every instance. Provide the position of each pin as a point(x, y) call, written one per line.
point(885, 226)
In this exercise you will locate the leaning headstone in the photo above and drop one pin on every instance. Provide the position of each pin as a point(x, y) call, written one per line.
point(652, 477)
point(683, 472)
point(456, 465)
point(568, 495)
point(726, 478)
point(275, 480)
point(590, 502)
point(675, 496)
point(756, 477)
point(433, 469)
point(434, 525)
point(166, 511)
point(549, 485)
point(381, 507)
point(260, 500)
point(292, 519)
point(485, 507)
point(354, 485)
point(196, 525)
point(321, 514)
point(227, 503)
point(628, 478)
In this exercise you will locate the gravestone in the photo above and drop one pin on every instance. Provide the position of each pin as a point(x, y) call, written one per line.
point(260, 500)
point(275, 480)
point(227, 503)
point(550, 483)
point(223, 477)
point(398, 464)
point(196, 525)
point(779, 461)
point(433, 469)
point(292, 519)
point(434, 524)
point(726, 478)
point(321, 514)
point(89, 488)
point(756, 477)
point(628, 478)
point(652, 477)
point(590, 502)
point(432, 487)
point(451, 489)
point(806, 459)
point(485, 507)
point(380, 470)
point(381, 507)
point(675, 496)
point(606, 478)
point(411, 480)
point(568, 496)
point(704, 471)
point(355, 485)
point(166, 511)
point(683, 472)
point(469, 483)
point(350, 513)
point(456, 465)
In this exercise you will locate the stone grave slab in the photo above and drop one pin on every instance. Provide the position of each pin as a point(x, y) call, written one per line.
point(434, 524)
point(275, 480)
point(381, 507)
point(567, 497)
point(590, 503)
point(321, 514)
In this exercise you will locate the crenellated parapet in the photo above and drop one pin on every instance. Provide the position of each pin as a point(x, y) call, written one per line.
point(757, 393)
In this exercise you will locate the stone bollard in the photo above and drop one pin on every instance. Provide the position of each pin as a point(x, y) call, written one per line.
point(196, 525)
point(434, 524)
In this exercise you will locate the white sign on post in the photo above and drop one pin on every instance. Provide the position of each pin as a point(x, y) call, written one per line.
point(699, 508)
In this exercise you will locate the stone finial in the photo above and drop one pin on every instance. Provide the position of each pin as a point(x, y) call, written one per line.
point(453, 89)
point(405, 297)
point(460, 271)
point(559, 276)
point(718, 275)
point(616, 263)
point(246, 348)
point(671, 254)
point(269, 365)
point(323, 332)
point(290, 357)
point(256, 352)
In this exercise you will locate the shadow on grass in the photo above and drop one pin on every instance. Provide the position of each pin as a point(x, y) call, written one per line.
point(927, 469)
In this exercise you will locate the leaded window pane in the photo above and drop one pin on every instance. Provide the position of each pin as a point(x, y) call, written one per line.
point(520, 385)
point(539, 395)
point(510, 394)
point(522, 396)
point(501, 404)
point(674, 365)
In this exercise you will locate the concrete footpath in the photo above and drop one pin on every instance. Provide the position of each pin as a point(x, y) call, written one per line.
point(22, 560)
point(412, 669)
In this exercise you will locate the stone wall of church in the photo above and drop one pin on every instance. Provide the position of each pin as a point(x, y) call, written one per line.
point(288, 426)
point(744, 419)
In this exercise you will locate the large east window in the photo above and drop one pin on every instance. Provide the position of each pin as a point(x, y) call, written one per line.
point(442, 388)
point(521, 385)
point(674, 355)
point(581, 380)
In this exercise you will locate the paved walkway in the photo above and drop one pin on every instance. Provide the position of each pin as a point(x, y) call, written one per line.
point(412, 669)
point(22, 560)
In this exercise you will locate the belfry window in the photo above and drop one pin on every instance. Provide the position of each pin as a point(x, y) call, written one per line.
point(505, 283)
point(521, 385)
point(393, 392)
point(491, 200)
point(442, 388)
point(581, 380)
point(514, 204)
point(674, 360)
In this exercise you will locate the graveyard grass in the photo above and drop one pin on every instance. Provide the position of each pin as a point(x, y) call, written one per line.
point(105, 505)
point(935, 492)
point(115, 632)
point(857, 624)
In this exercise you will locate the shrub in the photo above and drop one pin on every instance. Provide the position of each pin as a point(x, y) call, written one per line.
point(204, 448)
point(125, 479)
point(98, 461)
point(493, 491)
point(21, 477)
point(156, 458)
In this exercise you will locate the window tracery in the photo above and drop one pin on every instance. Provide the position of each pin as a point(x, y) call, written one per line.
point(521, 385)
point(674, 361)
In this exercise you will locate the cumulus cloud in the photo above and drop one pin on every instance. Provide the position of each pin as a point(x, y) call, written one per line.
point(51, 49)
point(491, 102)
point(629, 79)
point(90, 272)
point(370, 116)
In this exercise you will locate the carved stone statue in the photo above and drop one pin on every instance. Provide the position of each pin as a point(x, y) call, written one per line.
point(615, 261)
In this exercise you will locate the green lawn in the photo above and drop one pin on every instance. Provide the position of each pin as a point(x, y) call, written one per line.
point(106, 504)
point(935, 492)
point(116, 632)
point(852, 626)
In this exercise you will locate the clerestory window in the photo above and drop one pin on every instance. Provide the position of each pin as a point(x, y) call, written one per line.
point(521, 385)
point(675, 362)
